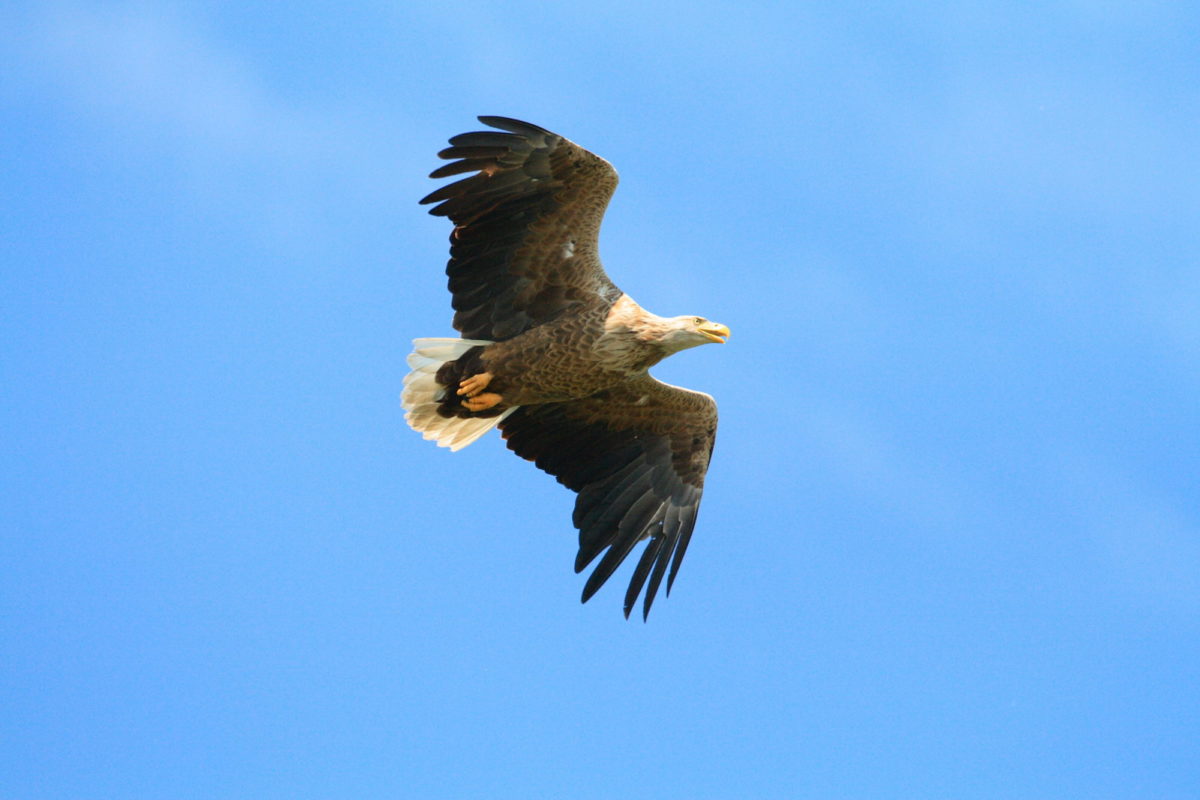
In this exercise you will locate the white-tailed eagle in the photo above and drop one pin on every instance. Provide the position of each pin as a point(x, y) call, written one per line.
point(557, 356)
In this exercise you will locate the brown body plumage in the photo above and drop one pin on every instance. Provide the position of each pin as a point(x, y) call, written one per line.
point(556, 355)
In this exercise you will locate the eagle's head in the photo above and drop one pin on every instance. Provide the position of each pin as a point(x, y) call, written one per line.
point(684, 332)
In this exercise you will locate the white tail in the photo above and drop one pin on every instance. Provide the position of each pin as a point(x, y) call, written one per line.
point(422, 395)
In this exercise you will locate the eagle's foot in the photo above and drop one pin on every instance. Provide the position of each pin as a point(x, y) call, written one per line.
point(482, 402)
point(475, 384)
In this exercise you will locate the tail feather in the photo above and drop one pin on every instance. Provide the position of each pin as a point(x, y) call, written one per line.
point(423, 394)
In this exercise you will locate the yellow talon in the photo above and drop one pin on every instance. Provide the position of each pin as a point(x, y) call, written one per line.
point(482, 402)
point(475, 384)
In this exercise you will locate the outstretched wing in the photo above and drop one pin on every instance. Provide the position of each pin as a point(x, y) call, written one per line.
point(526, 225)
point(637, 455)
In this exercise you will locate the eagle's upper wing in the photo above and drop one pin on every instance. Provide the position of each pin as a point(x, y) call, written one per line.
point(524, 246)
point(637, 455)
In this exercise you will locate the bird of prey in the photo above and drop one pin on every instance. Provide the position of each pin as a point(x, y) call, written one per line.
point(556, 356)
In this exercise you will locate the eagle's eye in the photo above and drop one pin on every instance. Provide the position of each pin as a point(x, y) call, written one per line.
point(698, 320)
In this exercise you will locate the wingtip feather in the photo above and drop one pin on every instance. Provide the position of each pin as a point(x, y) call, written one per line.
point(513, 125)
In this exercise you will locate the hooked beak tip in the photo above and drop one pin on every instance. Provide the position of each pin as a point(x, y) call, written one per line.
point(716, 332)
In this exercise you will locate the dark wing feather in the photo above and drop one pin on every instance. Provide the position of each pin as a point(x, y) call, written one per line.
point(527, 223)
point(636, 454)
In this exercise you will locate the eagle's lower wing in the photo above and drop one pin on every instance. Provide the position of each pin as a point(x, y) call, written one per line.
point(524, 246)
point(637, 455)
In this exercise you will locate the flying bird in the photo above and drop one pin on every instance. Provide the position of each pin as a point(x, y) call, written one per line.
point(556, 356)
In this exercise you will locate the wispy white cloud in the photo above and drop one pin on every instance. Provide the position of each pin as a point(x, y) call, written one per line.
point(160, 88)
point(912, 484)
point(1168, 302)
point(144, 66)
point(1150, 543)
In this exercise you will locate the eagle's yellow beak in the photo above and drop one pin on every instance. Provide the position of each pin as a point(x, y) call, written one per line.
point(714, 330)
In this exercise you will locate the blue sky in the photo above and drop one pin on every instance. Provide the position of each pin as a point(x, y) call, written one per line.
point(950, 545)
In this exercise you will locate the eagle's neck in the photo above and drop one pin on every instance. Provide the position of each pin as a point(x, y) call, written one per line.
point(633, 335)
point(637, 337)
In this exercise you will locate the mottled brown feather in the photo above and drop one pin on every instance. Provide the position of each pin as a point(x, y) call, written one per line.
point(525, 273)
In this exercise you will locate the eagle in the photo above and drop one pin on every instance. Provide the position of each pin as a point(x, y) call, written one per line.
point(557, 357)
